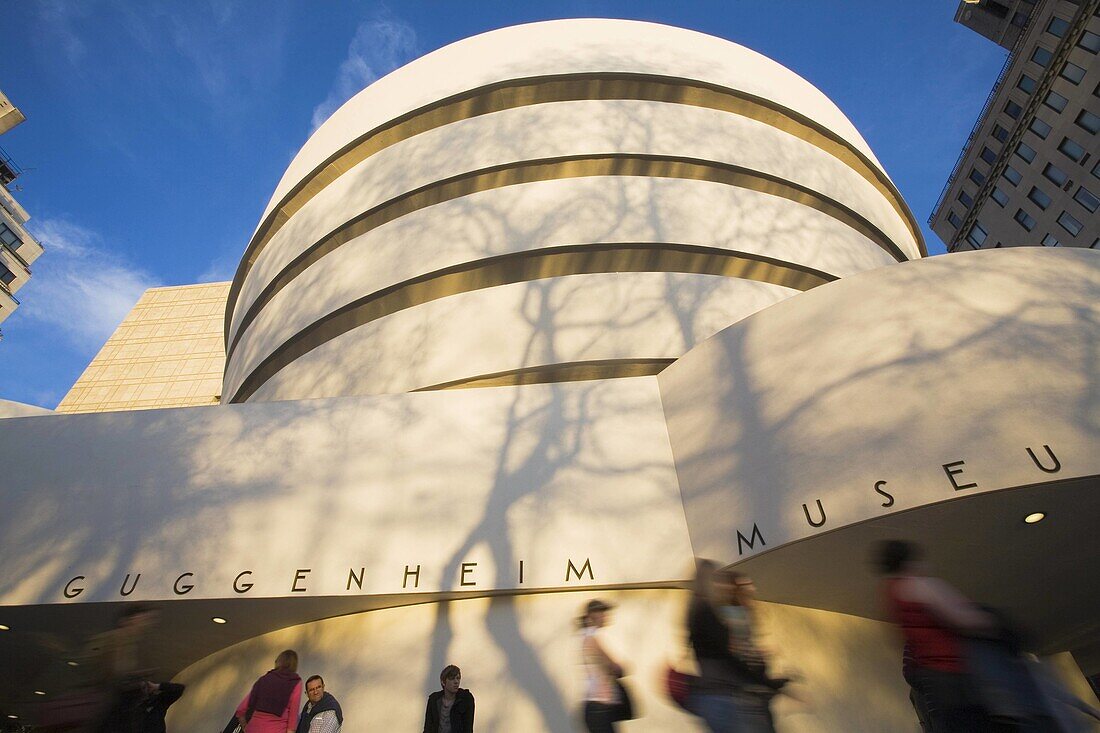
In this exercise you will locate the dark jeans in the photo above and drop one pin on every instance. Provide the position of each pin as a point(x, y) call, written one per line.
point(950, 701)
point(599, 718)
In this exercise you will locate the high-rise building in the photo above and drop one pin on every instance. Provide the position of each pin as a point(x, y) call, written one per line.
point(18, 249)
point(1030, 171)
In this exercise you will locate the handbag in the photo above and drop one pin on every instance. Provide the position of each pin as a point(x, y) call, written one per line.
point(679, 685)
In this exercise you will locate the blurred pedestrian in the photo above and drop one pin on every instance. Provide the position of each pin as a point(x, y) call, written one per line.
point(934, 617)
point(321, 713)
point(605, 700)
point(117, 664)
point(157, 698)
point(272, 705)
point(451, 709)
point(724, 695)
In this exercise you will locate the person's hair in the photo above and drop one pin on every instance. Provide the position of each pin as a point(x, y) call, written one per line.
point(593, 606)
point(315, 677)
point(893, 555)
point(731, 578)
point(701, 588)
point(288, 660)
point(449, 673)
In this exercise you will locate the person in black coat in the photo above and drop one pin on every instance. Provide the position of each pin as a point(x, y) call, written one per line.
point(158, 697)
point(452, 704)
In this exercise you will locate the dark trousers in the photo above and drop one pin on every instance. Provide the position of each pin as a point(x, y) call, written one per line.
point(599, 718)
point(950, 701)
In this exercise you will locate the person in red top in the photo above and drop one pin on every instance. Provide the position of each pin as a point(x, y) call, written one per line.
point(272, 705)
point(934, 617)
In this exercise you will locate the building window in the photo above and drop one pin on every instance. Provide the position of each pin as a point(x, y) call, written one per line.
point(954, 220)
point(1055, 101)
point(1000, 133)
point(1012, 175)
point(1040, 128)
point(1050, 241)
point(1057, 27)
point(1070, 224)
point(1026, 83)
point(976, 176)
point(1073, 73)
point(988, 155)
point(1013, 110)
point(8, 237)
point(1039, 198)
point(1026, 152)
point(999, 196)
point(1086, 198)
point(977, 235)
point(1096, 169)
point(1055, 175)
point(6, 275)
point(1019, 20)
point(966, 199)
point(1042, 56)
point(1024, 219)
point(1071, 150)
point(1095, 244)
point(1090, 42)
point(1088, 121)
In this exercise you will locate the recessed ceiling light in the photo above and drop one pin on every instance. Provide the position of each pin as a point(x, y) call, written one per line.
point(218, 620)
point(13, 717)
point(4, 627)
point(1034, 517)
point(40, 692)
point(71, 663)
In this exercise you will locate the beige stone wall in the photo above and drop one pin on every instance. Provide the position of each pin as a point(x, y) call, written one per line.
point(167, 352)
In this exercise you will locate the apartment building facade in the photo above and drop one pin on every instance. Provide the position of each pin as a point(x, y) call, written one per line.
point(18, 249)
point(1030, 171)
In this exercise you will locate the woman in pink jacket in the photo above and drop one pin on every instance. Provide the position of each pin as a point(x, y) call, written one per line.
point(272, 705)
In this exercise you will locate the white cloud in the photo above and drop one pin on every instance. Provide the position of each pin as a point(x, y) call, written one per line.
point(80, 288)
point(379, 47)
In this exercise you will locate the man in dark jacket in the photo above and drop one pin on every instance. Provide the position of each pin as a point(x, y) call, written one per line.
point(321, 714)
point(154, 706)
point(450, 710)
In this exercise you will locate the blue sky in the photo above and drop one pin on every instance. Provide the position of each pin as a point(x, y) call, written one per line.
point(156, 131)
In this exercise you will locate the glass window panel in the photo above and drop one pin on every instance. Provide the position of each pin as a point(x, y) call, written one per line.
point(977, 234)
point(1039, 198)
point(6, 275)
point(976, 176)
point(1056, 101)
point(1026, 83)
point(1000, 133)
point(1070, 224)
point(1086, 198)
point(1057, 27)
point(1042, 56)
point(954, 220)
point(1013, 110)
point(988, 155)
point(1026, 152)
point(1090, 42)
point(1039, 127)
point(1071, 149)
point(1088, 121)
point(1024, 219)
point(1012, 175)
point(999, 196)
point(967, 201)
point(1073, 72)
point(1050, 241)
point(1055, 174)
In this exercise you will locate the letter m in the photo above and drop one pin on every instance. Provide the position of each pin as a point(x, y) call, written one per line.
point(750, 541)
point(571, 570)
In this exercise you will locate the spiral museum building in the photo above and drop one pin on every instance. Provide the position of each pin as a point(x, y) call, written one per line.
point(540, 317)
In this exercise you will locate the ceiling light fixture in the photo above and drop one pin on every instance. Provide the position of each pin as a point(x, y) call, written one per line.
point(1034, 518)
point(40, 692)
point(5, 627)
point(13, 716)
point(71, 663)
point(218, 620)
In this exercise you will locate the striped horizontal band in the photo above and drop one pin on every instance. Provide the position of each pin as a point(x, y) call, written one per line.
point(514, 93)
point(522, 267)
point(616, 164)
point(572, 371)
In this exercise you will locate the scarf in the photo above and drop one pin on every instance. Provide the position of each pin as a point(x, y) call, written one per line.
point(271, 693)
point(327, 702)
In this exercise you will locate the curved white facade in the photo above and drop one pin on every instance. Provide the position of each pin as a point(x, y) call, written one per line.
point(494, 162)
